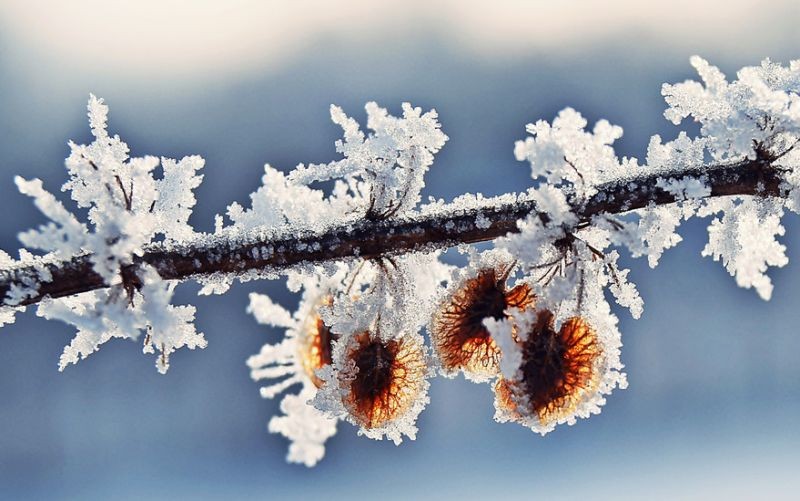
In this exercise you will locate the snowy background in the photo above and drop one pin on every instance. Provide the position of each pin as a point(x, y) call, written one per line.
point(714, 378)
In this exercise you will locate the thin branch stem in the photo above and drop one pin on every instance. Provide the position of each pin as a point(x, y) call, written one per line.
point(266, 253)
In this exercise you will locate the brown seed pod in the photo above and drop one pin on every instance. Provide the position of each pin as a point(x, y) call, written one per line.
point(457, 332)
point(558, 370)
point(316, 345)
point(389, 380)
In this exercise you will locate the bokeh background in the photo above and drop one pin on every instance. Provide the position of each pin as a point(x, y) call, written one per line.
point(714, 394)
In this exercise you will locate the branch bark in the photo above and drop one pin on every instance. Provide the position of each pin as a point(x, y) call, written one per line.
point(372, 239)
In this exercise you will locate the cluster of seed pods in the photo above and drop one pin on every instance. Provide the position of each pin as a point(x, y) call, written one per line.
point(559, 367)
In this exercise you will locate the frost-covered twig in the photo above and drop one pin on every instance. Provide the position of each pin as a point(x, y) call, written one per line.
point(531, 315)
point(447, 226)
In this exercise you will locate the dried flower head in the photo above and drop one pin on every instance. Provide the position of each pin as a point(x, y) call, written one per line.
point(378, 383)
point(389, 377)
point(559, 371)
point(458, 335)
point(295, 360)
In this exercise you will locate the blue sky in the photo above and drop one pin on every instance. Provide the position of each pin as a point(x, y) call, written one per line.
point(714, 379)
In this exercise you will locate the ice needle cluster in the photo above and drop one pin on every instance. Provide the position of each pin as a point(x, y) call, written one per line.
point(532, 317)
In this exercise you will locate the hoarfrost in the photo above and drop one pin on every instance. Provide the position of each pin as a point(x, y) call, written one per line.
point(736, 116)
point(306, 427)
point(390, 162)
point(100, 316)
point(7, 313)
point(656, 230)
point(398, 301)
point(565, 153)
point(755, 117)
point(128, 208)
point(502, 331)
point(280, 204)
point(743, 239)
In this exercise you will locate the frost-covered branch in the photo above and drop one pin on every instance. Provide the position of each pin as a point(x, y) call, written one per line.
point(532, 314)
point(447, 226)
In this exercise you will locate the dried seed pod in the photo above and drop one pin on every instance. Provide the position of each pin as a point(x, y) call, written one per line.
point(388, 381)
point(316, 344)
point(559, 371)
point(458, 335)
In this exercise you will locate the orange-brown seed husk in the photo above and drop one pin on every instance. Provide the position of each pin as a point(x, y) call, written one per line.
point(316, 346)
point(390, 377)
point(458, 334)
point(558, 369)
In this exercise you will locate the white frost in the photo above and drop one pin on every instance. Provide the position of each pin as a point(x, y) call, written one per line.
point(128, 209)
point(744, 240)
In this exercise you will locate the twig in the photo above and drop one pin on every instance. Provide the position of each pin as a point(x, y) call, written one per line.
point(369, 239)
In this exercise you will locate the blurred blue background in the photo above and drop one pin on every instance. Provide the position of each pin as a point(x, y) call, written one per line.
point(714, 378)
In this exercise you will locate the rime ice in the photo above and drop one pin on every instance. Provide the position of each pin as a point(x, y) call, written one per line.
point(755, 117)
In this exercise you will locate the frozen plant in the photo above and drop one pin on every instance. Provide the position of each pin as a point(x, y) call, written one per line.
point(381, 313)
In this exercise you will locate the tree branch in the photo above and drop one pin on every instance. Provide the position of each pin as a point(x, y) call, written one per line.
point(370, 239)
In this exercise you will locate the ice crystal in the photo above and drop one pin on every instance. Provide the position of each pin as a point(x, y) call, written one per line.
point(569, 269)
point(570, 263)
point(735, 116)
point(656, 230)
point(555, 373)
point(744, 240)
point(502, 331)
point(99, 317)
point(479, 292)
point(680, 154)
point(353, 299)
point(385, 318)
point(379, 382)
point(755, 117)
point(280, 204)
point(380, 176)
point(304, 426)
point(168, 327)
point(534, 242)
point(8, 313)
